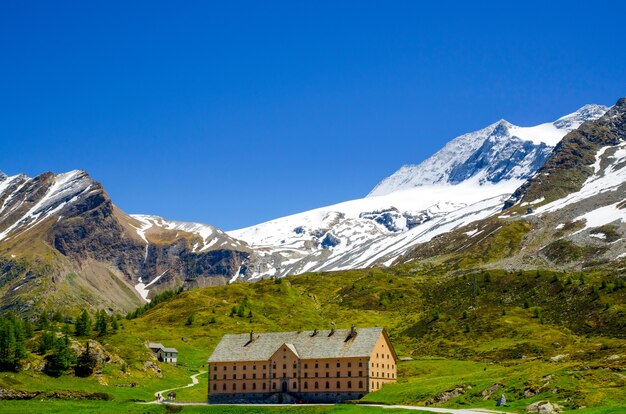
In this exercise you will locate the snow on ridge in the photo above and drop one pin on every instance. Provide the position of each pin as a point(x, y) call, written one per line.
point(65, 189)
point(600, 181)
point(456, 153)
point(210, 235)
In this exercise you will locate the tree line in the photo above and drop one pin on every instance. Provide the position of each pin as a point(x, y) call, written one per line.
point(52, 337)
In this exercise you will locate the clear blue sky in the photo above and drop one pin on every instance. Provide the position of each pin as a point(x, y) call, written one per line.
point(233, 113)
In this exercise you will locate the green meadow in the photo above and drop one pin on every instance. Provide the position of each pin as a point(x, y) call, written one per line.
point(528, 335)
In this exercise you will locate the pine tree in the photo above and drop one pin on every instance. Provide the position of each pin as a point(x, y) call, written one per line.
point(85, 363)
point(61, 359)
point(114, 324)
point(43, 322)
point(83, 324)
point(12, 342)
point(46, 342)
point(101, 323)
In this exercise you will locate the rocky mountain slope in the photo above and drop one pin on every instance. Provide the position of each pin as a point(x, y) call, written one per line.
point(570, 214)
point(468, 180)
point(63, 242)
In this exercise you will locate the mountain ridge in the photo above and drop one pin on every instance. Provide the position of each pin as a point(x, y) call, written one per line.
point(67, 230)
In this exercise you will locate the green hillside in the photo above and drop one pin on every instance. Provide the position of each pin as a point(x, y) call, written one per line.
point(538, 335)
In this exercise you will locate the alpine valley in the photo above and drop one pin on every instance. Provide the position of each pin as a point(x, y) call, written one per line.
point(505, 197)
point(497, 267)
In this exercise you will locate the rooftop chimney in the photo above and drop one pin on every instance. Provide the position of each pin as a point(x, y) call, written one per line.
point(352, 331)
point(251, 336)
point(332, 328)
point(314, 332)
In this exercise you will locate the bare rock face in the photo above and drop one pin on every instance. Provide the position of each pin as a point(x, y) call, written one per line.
point(488, 392)
point(74, 236)
point(446, 396)
point(544, 407)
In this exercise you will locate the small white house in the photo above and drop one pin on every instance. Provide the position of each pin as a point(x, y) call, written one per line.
point(164, 354)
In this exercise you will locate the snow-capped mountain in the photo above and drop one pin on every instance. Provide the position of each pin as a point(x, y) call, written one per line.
point(501, 151)
point(467, 180)
point(63, 228)
point(570, 215)
point(62, 240)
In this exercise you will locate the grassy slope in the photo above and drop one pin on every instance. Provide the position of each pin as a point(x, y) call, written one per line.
point(426, 320)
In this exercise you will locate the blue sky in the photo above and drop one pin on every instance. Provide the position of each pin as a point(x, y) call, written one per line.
point(233, 113)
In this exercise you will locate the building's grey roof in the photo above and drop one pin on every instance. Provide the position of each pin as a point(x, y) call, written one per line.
point(156, 345)
point(307, 346)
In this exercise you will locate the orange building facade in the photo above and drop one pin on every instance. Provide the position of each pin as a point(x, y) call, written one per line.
point(310, 366)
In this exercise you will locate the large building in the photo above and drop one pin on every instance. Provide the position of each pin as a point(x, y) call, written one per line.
point(310, 366)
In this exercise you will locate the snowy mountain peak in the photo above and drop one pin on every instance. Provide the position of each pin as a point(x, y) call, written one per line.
point(500, 151)
point(586, 113)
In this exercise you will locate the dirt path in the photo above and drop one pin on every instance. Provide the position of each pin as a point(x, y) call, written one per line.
point(194, 381)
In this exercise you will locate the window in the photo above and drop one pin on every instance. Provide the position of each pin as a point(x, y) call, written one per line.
point(360, 364)
point(306, 375)
point(327, 365)
point(224, 367)
point(264, 375)
point(306, 385)
point(338, 374)
point(306, 366)
point(214, 376)
point(224, 387)
point(254, 385)
point(360, 384)
point(349, 364)
point(273, 385)
point(295, 385)
point(338, 364)
point(234, 376)
point(264, 385)
point(295, 366)
point(234, 386)
point(349, 373)
point(327, 374)
point(244, 367)
point(327, 385)
point(316, 365)
point(317, 385)
point(254, 367)
point(244, 386)
point(316, 375)
point(338, 384)
point(273, 375)
point(350, 384)
point(244, 376)
point(264, 366)
point(360, 373)
point(234, 367)
point(214, 387)
point(284, 366)
point(224, 376)
point(254, 376)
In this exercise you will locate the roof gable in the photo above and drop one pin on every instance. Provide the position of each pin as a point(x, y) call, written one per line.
point(307, 345)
